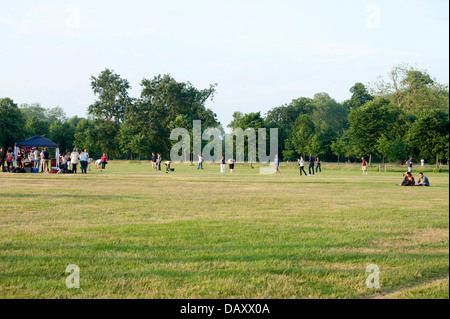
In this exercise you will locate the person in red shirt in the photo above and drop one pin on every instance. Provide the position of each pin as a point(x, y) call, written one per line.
point(364, 166)
point(104, 161)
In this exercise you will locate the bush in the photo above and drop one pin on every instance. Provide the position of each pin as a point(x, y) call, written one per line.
point(437, 170)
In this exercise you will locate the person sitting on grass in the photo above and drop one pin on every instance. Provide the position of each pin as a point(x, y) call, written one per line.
point(408, 180)
point(423, 180)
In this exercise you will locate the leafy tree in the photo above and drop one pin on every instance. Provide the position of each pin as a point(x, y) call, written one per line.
point(37, 126)
point(367, 124)
point(302, 133)
point(360, 96)
point(412, 90)
point(62, 133)
point(429, 134)
point(313, 145)
point(11, 123)
point(86, 136)
point(108, 110)
point(397, 151)
point(162, 100)
point(338, 147)
point(382, 147)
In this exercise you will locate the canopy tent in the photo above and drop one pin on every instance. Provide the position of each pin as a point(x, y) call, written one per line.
point(38, 141)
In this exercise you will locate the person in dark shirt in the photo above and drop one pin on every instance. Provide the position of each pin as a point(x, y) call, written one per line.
point(410, 163)
point(408, 180)
point(46, 160)
point(311, 164)
point(2, 160)
point(318, 164)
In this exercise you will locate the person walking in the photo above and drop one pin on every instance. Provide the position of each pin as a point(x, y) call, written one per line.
point(200, 162)
point(2, 159)
point(74, 157)
point(410, 163)
point(84, 157)
point(318, 164)
point(364, 166)
point(222, 165)
point(301, 163)
point(311, 164)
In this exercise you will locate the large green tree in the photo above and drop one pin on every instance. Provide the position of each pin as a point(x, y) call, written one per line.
point(11, 123)
point(108, 110)
point(430, 134)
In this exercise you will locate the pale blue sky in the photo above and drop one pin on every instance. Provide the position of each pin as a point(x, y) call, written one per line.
point(261, 53)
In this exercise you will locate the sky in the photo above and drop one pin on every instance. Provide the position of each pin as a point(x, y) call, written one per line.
point(262, 54)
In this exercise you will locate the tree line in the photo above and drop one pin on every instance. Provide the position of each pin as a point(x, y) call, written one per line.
point(403, 114)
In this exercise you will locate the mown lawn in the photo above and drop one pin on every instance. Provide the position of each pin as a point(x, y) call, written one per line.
point(202, 234)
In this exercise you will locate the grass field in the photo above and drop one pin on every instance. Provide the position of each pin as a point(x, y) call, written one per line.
point(202, 234)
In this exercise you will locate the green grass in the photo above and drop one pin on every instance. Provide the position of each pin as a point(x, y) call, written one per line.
point(202, 234)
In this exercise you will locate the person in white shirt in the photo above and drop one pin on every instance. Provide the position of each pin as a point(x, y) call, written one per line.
point(222, 165)
point(301, 163)
point(422, 162)
point(200, 162)
point(84, 157)
point(37, 160)
point(74, 157)
point(31, 157)
point(167, 166)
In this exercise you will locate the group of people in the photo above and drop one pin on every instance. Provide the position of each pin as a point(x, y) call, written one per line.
point(40, 160)
point(34, 157)
point(312, 161)
point(70, 160)
point(409, 180)
point(223, 164)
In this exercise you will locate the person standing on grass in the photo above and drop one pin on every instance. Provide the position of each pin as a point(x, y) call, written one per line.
point(222, 165)
point(311, 164)
point(422, 162)
point(277, 165)
point(46, 160)
point(159, 160)
point(31, 157)
point(37, 158)
point(154, 159)
point(104, 159)
point(231, 165)
point(409, 162)
point(9, 159)
point(2, 160)
point(364, 166)
point(200, 162)
point(84, 157)
point(74, 157)
point(301, 163)
point(318, 164)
